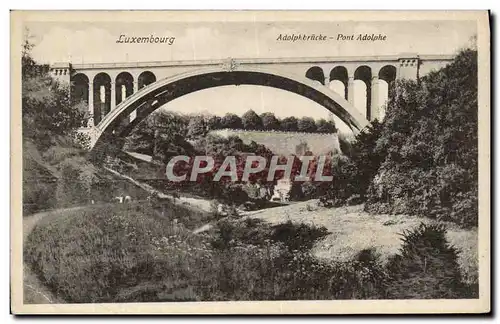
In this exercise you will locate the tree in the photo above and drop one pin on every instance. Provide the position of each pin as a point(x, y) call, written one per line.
point(366, 158)
point(30, 68)
point(231, 121)
point(161, 135)
point(430, 136)
point(213, 123)
point(47, 111)
point(302, 148)
point(324, 126)
point(269, 121)
point(289, 124)
point(75, 184)
point(332, 126)
point(196, 127)
point(251, 121)
point(306, 124)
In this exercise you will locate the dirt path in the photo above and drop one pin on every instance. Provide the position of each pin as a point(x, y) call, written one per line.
point(203, 204)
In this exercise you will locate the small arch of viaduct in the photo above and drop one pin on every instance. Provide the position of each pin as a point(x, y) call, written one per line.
point(347, 74)
point(103, 91)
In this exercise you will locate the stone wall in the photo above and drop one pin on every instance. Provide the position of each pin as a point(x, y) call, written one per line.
point(287, 143)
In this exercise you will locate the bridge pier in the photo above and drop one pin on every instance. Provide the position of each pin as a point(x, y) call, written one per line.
point(133, 114)
point(374, 109)
point(350, 90)
point(91, 104)
point(113, 96)
point(92, 132)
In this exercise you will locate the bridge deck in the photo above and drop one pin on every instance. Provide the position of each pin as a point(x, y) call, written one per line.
point(284, 60)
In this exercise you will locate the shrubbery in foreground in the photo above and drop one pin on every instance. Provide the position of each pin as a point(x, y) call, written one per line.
point(131, 254)
point(426, 266)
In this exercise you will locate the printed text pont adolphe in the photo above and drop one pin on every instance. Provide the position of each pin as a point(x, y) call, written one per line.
point(337, 37)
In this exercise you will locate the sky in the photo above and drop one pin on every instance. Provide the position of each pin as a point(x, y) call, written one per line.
point(95, 42)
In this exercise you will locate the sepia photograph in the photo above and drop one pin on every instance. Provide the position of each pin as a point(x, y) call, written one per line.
point(256, 162)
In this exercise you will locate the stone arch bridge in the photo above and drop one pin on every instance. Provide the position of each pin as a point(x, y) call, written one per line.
point(122, 94)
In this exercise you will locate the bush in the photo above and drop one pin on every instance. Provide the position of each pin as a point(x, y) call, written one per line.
point(251, 121)
point(296, 193)
point(81, 140)
point(309, 190)
point(297, 236)
point(252, 231)
point(426, 266)
point(354, 200)
point(344, 183)
point(168, 209)
point(249, 231)
point(345, 142)
point(233, 195)
point(39, 183)
point(57, 154)
point(289, 124)
point(262, 262)
point(75, 185)
point(353, 173)
point(306, 124)
point(38, 196)
point(300, 191)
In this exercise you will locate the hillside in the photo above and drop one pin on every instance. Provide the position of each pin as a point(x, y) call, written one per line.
point(47, 182)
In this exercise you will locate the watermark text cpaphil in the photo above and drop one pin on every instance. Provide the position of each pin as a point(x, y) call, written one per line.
point(296, 168)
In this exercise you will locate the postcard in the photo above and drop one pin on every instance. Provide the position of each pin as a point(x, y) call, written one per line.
point(250, 162)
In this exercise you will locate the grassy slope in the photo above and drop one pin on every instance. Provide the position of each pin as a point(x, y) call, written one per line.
point(34, 291)
point(100, 235)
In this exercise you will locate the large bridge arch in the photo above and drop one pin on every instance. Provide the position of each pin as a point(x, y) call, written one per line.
point(161, 92)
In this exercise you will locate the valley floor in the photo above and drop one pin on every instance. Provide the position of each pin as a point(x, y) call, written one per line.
point(351, 230)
